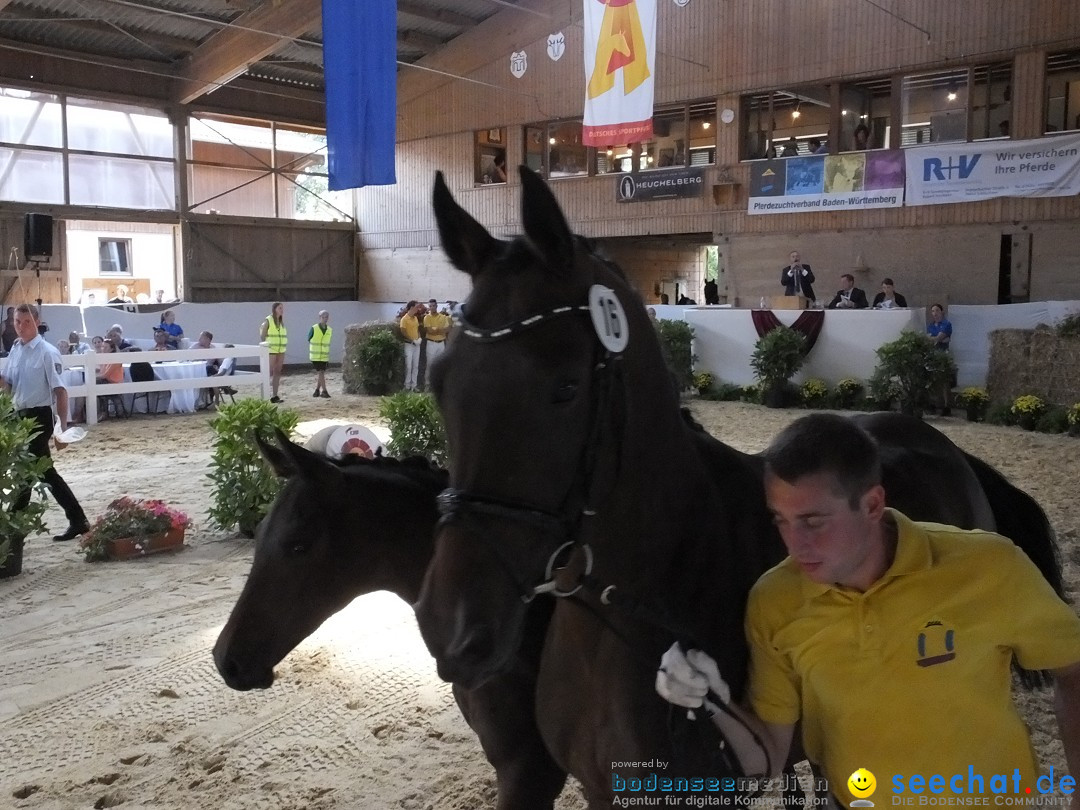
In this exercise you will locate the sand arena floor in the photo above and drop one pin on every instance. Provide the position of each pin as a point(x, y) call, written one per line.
point(109, 696)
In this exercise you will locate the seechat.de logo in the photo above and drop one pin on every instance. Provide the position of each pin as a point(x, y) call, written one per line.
point(862, 784)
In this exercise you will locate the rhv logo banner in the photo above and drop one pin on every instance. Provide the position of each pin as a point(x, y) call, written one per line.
point(620, 64)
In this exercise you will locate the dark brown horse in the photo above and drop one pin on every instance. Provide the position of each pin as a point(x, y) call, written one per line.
point(569, 450)
point(339, 530)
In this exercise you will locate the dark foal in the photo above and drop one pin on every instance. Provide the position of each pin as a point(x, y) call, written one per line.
point(569, 451)
point(307, 567)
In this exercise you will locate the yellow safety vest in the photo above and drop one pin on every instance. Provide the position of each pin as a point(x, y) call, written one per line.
point(275, 336)
point(319, 345)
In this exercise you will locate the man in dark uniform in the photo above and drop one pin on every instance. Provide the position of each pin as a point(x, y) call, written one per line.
point(32, 375)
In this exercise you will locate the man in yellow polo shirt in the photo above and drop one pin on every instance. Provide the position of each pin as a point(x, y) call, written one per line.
point(436, 328)
point(890, 640)
point(410, 331)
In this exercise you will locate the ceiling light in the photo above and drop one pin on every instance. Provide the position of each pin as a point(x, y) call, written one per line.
point(552, 141)
point(795, 113)
point(705, 124)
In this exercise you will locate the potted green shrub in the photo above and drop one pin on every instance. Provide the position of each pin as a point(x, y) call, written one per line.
point(975, 401)
point(703, 382)
point(1073, 417)
point(814, 393)
point(677, 338)
point(1026, 411)
point(848, 393)
point(20, 471)
point(910, 368)
point(416, 428)
point(778, 355)
point(244, 486)
point(374, 361)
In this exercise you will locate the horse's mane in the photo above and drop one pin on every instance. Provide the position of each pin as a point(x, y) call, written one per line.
point(416, 469)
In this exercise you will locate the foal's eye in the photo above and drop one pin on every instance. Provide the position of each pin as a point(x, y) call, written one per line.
point(298, 548)
point(565, 392)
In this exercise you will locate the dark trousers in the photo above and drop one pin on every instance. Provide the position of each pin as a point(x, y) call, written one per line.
point(39, 446)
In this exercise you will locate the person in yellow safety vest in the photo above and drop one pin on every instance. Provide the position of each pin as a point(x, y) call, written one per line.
point(272, 333)
point(410, 331)
point(436, 328)
point(318, 338)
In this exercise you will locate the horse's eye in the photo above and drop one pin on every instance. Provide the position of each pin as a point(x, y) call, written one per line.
point(296, 549)
point(565, 392)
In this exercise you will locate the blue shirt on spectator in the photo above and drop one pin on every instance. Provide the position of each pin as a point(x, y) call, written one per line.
point(934, 329)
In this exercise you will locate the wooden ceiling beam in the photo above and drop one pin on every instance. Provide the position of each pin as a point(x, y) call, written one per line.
point(228, 53)
point(502, 33)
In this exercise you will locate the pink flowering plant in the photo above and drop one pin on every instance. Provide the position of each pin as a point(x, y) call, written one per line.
point(134, 518)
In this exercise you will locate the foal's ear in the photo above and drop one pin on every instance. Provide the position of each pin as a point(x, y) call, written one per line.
point(302, 461)
point(545, 225)
point(465, 241)
point(283, 468)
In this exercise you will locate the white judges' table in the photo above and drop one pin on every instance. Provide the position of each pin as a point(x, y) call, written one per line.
point(175, 401)
point(724, 341)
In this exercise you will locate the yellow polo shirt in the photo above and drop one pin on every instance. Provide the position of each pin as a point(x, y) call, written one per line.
point(911, 677)
point(436, 321)
point(410, 327)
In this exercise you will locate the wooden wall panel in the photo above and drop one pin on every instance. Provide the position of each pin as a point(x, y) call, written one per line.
point(261, 261)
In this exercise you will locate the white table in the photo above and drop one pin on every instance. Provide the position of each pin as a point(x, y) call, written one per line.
point(178, 401)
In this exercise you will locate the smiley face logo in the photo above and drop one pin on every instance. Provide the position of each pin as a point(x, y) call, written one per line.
point(862, 784)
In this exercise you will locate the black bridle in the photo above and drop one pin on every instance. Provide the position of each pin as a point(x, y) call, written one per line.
point(567, 525)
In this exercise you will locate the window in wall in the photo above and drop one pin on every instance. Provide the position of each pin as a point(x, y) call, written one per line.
point(114, 257)
point(991, 101)
point(1062, 91)
point(865, 108)
point(30, 119)
point(555, 149)
point(490, 160)
point(121, 182)
point(31, 176)
point(682, 136)
point(785, 123)
point(99, 126)
point(702, 134)
point(261, 169)
point(567, 156)
point(935, 107)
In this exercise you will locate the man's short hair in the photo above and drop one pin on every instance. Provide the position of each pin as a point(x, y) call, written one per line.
point(830, 444)
point(888, 281)
point(208, 333)
point(116, 328)
point(28, 309)
point(849, 277)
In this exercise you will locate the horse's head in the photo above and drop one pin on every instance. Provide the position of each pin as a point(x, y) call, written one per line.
point(533, 398)
point(336, 530)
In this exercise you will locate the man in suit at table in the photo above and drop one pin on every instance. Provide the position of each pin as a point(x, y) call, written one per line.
point(797, 278)
point(849, 296)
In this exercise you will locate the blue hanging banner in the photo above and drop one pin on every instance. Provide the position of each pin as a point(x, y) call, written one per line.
point(360, 66)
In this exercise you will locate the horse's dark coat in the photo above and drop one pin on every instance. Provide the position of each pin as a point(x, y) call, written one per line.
point(542, 419)
point(337, 531)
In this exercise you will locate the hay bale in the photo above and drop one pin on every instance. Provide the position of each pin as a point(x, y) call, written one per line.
point(1034, 361)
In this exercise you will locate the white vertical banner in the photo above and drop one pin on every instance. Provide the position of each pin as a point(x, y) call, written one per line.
point(620, 66)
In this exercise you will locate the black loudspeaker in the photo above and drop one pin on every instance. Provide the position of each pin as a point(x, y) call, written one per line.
point(37, 236)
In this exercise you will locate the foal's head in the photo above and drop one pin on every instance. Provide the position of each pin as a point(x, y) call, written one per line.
point(336, 530)
point(532, 394)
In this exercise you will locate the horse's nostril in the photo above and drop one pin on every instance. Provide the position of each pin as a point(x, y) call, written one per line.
point(473, 647)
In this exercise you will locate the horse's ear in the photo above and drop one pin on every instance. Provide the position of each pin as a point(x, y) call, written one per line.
point(466, 242)
point(545, 225)
point(302, 460)
point(283, 468)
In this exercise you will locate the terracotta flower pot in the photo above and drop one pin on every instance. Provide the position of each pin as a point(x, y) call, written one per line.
point(126, 548)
